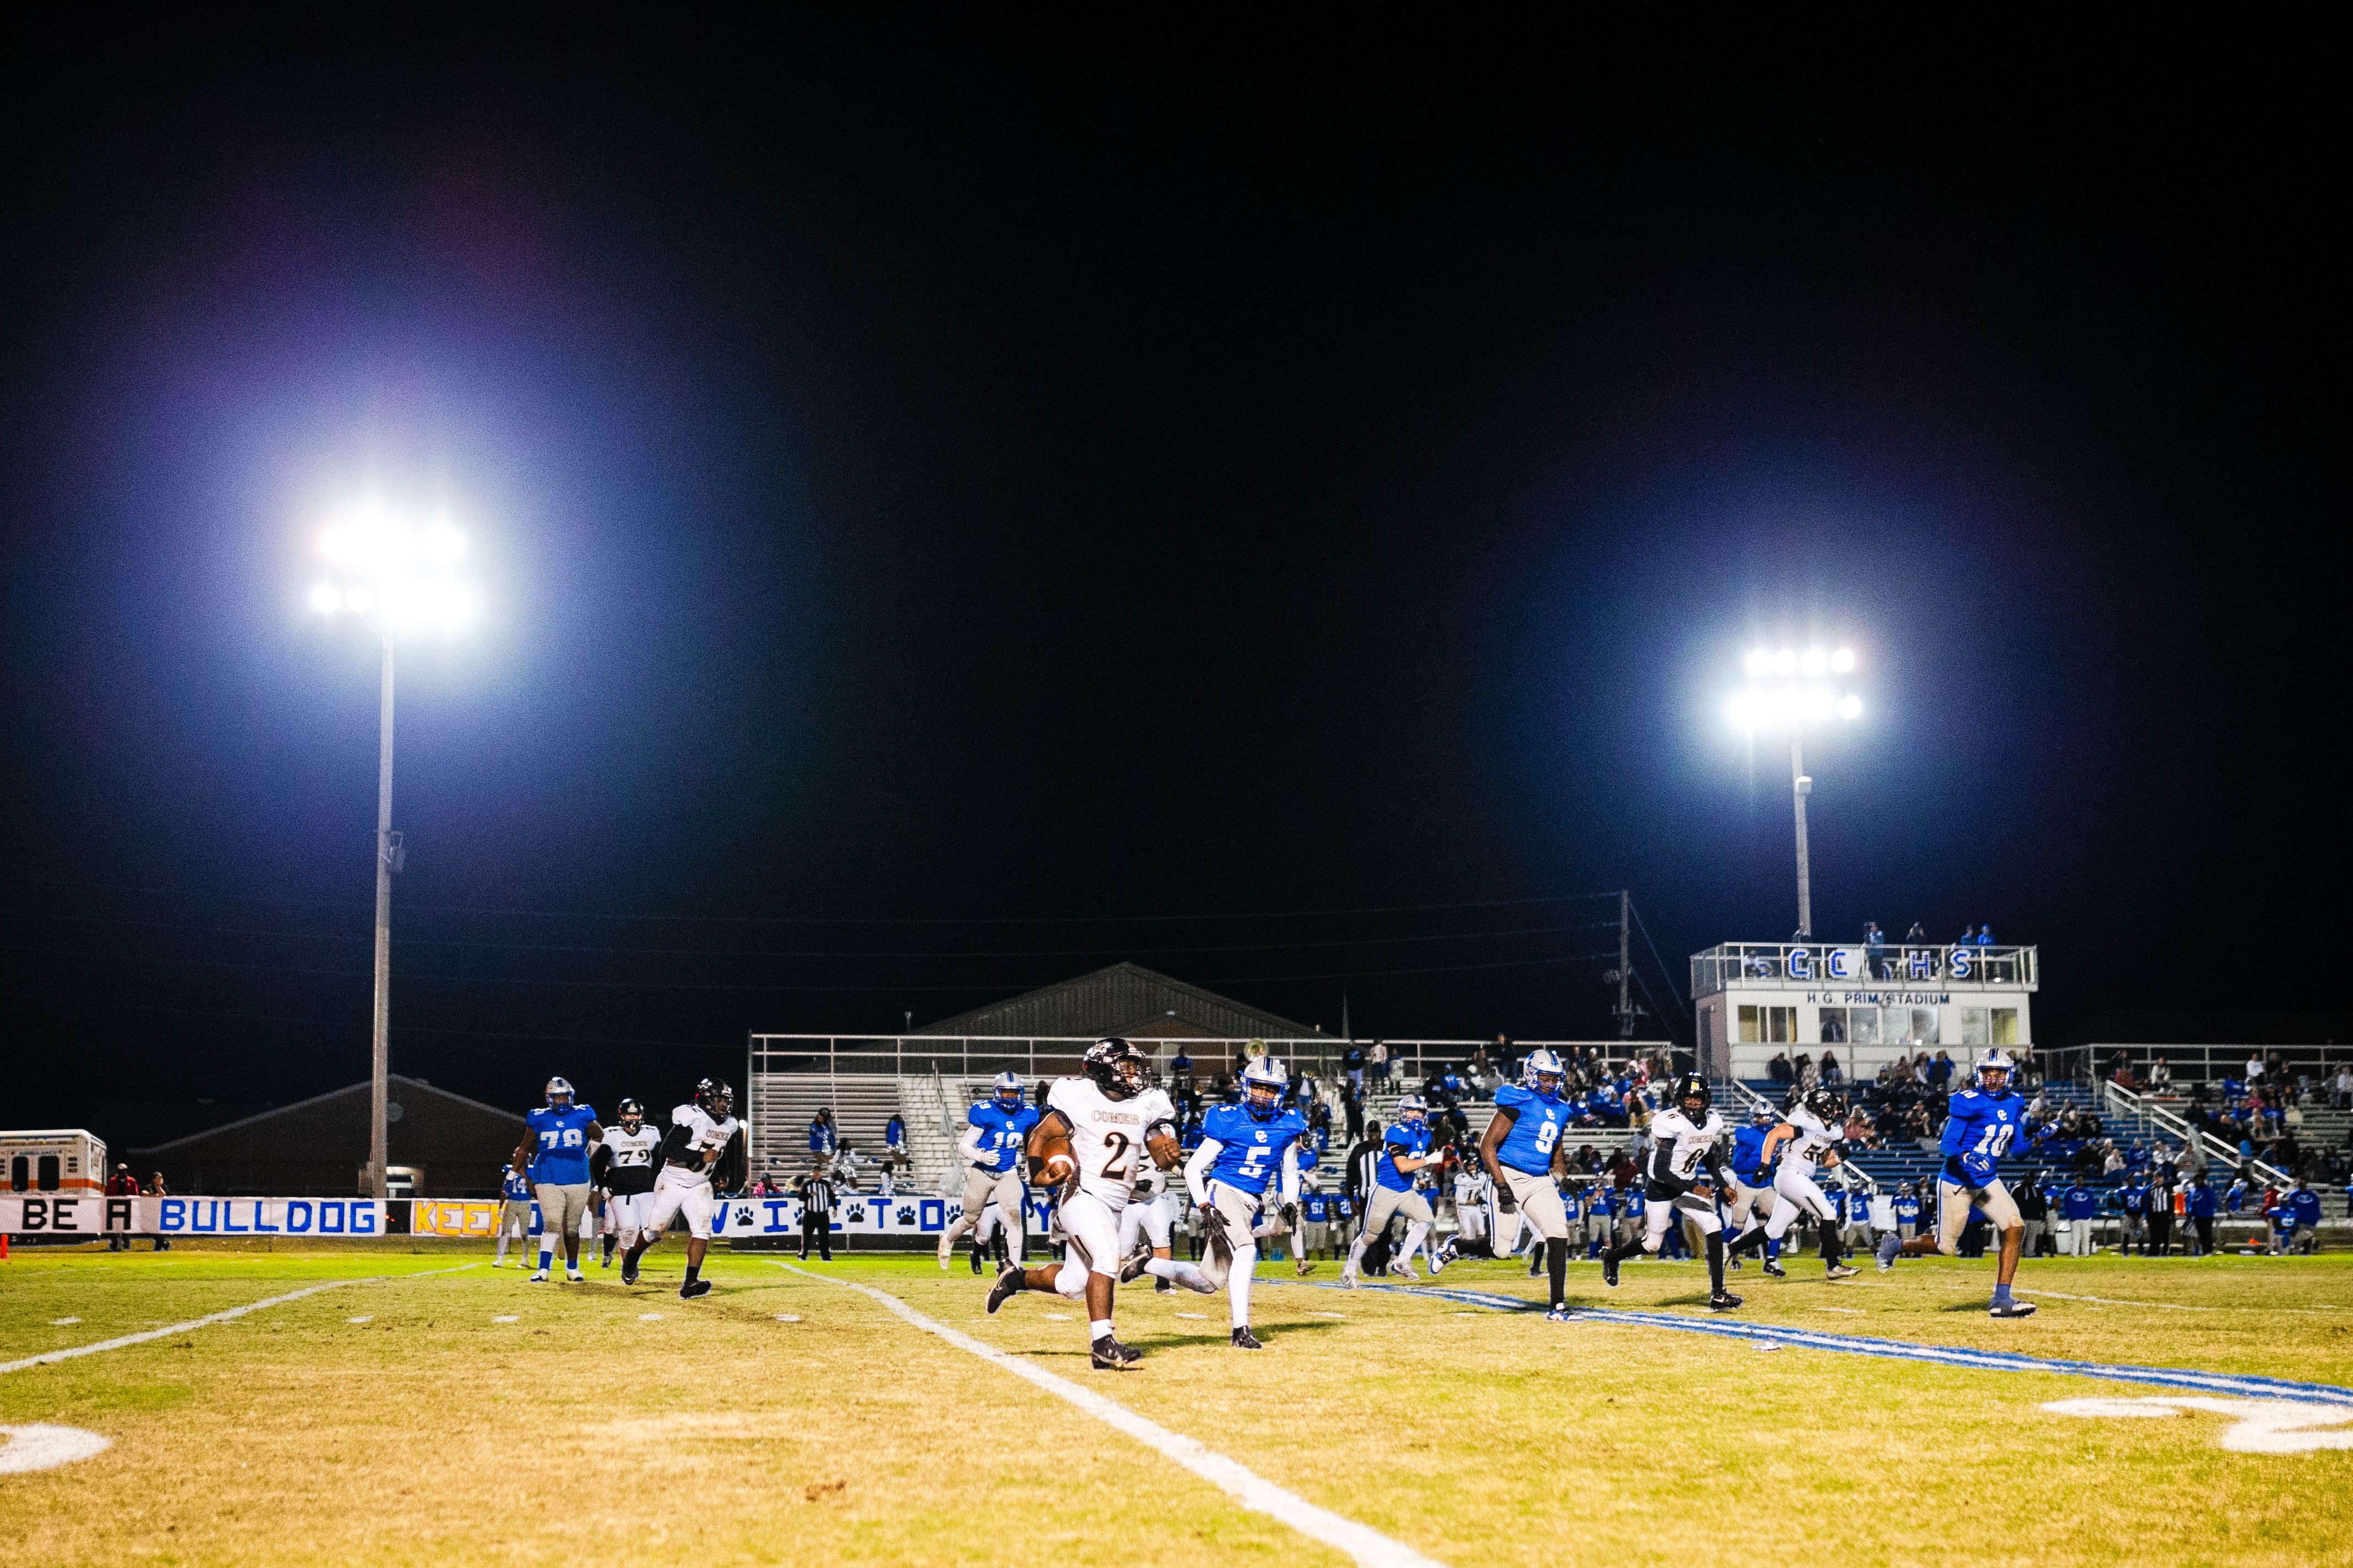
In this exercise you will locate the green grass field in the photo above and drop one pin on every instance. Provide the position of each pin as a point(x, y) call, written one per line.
point(605, 1421)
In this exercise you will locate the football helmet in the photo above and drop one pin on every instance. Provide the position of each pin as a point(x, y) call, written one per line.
point(1409, 1107)
point(1263, 1082)
point(1992, 1062)
point(717, 1101)
point(1118, 1067)
point(633, 1112)
point(1008, 1091)
point(1539, 1066)
point(1826, 1105)
point(559, 1094)
point(1688, 1087)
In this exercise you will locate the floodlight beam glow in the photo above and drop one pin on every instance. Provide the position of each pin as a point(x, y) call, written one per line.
point(383, 566)
point(1788, 690)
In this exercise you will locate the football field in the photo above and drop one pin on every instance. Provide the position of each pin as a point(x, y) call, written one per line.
point(409, 1403)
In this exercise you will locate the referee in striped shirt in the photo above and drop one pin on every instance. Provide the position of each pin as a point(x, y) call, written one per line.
point(816, 1211)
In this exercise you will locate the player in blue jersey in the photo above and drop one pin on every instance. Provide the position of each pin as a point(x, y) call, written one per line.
point(2304, 1208)
point(1245, 1149)
point(996, 1133)
point(1752, 1200)
point(1524, 1152)
point(1405, 1151)
point(553, 1155)
point(514, 1213)
point(1980, 1124)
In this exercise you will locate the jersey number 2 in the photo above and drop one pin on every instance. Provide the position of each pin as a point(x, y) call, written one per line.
point(1115, 1148)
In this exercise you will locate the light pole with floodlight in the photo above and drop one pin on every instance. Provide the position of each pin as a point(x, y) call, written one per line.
point(1789, 690)
point(383, 568)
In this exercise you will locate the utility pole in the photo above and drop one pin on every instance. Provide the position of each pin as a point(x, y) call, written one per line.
point(379, 1152)
point(1801, 787)
point(1625, 1002)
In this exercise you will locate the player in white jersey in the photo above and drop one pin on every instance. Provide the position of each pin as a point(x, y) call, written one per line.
point(704, 1142)
point(1807, 1138)
point(1149, 1219)
point(1681, 1174)
point(1097, 1130)
point(628, 1178)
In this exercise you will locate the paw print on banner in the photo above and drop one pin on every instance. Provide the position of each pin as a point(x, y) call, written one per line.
point(2263, 1426)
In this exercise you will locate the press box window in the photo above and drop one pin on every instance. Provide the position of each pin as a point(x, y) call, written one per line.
point(2005, 1026)
point(1768, 1025)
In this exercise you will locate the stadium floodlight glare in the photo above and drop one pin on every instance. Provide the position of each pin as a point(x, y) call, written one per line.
point(400, 576)
point(1786, 693)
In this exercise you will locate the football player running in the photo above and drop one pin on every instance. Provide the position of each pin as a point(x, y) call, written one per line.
point(1405, 1150)
point(1095, 1130)
point(1148, 1222)
point(1807, 1137)
point(629, 1157)
point(704, 1142)
point(1522, 1150)
point(1681, 1175)
point(1753, 1199)
point(1980, 1124)
point(554, 1155)
point(997, 1130)
point(1244, 1149)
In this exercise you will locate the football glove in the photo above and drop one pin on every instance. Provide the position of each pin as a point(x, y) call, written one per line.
point(1290, 1216)
point(1979, 1170)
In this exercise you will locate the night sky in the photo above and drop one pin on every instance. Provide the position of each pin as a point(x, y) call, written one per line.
point(957, 508)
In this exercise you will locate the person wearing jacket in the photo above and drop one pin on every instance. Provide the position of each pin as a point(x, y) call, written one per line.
point(2198, 1208)
point(2081, 1207)
point(2130, 1202)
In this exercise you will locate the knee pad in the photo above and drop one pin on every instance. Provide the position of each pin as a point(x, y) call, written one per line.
point(1071, 1279)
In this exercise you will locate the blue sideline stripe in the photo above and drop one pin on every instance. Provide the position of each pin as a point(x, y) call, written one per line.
point(2241, 1385)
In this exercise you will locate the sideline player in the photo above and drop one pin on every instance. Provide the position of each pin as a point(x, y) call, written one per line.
point(704, 1142)
point(1405, 1150)
point(629, 1151)
point(996, 1132)
point(1753, 1198)
point(1523, 1152)
point(514, 1213)
point(1245, 1148)
point(1807, 1136)
point(1095, 1130)
point(1981, 1122)
point(555, 1153)
point(1681, 1175)
point(1147, 1224)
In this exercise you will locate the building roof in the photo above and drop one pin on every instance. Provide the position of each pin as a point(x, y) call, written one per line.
point(1124, 999)
point(306, 1121)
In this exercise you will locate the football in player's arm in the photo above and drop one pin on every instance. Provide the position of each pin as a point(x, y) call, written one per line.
point(1681, 1173)
point(702, 1155)
point(1086, 1150)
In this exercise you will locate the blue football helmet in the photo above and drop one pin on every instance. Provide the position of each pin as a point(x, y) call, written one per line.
point(1409, 1107)
point(1263, 1082)
point(559, 1094)
point(1539, 1066)
point(1995, 1061)
point(1008, 1089)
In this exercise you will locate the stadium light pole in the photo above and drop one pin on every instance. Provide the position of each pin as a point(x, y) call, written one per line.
point(398, 576)
point(1788, 692)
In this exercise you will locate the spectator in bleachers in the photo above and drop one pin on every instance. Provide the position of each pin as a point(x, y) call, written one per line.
point(1779, 1070)
point(2341, 1087)
point(1351, 1067)
point(1377, 1059)
point(1940, 1071)
point(822, 1140)
point(1831, 1075)
point(1985, 935)
point(1874, 945)
point(2160, 1077)
point(1180, 1074)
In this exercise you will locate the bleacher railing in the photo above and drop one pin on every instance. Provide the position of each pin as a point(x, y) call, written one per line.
point(1803, 965)
point(2116, 1096)
point(2212, 1063)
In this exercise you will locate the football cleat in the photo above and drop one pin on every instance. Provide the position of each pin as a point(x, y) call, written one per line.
point(1007, 1285)
point(1560, 1315)
point(628, 1271)
point(539, 1277)
point(2011, 1308)
point(975, 1262)
point(1305, 1268)
point(1161, 1286)
point(1403, 1267)
point(574, 1276)
point(1108, 1355)
point(1246, 1340)
point(1610, 1269)
point(1736, 1264)
point(1773, 1266)
point(1841, 1271)
point(1348, 1277)
point(1722, 1301)
point(693, 1289)
point(1535, 1264)
point(1133, 1270)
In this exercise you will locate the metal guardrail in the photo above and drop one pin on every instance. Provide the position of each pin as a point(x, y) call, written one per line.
point(2212, 1063)
point(2116, 1096)
point(1815, 965)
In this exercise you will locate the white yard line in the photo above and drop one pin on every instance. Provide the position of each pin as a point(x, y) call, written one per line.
point(72, 1352)
point(1361, 1543)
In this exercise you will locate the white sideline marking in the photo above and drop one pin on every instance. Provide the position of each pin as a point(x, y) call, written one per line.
point(2263, 1426)
point(63, 1322)
point(1361, 1543)
point(194, 1324)
point(45, 1447)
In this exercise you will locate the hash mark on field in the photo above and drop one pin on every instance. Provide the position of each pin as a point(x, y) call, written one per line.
point(220, 1317)
point(1200, 1315)
point(509, 1318)
point(368, 1318)
point(1850, 1312)
point(1360, 1541)
point(1058, 1317)
point(63, 1322)
point(649, 1317)
point(788, 1317)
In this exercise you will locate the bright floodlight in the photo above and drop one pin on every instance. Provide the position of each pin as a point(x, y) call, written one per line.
point(389, 567)
point(1842, 662)
point(1788, 691)
point(1849, 708)
point(1760, 664)
point(1815, 663)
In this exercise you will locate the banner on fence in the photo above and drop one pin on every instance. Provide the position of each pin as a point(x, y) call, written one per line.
point(457, 1217)
point(742, 1218)
point(69, 1215)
